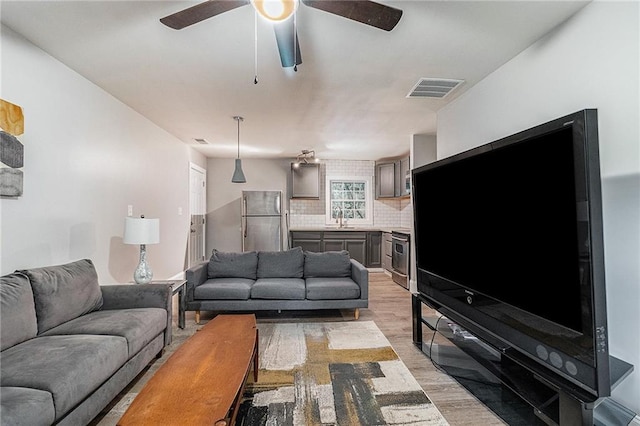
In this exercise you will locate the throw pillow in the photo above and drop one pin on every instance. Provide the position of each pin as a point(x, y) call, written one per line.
point(281, 264)
point(233, 265)
point(64, 292)
point(327, 264)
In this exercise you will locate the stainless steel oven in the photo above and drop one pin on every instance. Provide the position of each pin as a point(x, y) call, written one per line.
point(400, 258)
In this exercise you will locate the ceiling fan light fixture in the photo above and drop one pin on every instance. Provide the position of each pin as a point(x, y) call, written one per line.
point(275, 10)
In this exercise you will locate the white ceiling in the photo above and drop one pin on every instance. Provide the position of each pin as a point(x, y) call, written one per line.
point(347, 100)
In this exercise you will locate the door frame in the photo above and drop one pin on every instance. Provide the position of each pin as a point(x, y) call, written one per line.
point(194, 168)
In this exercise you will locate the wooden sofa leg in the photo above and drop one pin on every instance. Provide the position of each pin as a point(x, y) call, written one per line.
point(356, 313)
point(198, 316)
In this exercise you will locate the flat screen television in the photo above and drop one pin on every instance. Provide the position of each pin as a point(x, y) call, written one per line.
point(509, 244)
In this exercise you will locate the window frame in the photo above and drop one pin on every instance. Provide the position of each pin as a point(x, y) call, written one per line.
point(368, 192)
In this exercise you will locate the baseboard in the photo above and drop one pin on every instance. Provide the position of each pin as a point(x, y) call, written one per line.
point(178, 276)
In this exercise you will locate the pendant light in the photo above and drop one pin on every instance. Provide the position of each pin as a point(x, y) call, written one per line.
point(238, 175)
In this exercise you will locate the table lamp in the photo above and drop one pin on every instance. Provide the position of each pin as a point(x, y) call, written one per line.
point(142, 231)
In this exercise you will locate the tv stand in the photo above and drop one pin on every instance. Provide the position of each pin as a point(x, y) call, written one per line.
point(508, 382)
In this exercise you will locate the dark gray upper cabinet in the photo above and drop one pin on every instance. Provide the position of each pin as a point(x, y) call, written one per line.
point(405, 177)
point(393, 178)
point(305, 181)
point(385, 180)
point(374, 249)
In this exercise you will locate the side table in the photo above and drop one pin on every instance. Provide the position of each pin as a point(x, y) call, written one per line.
point(177, 286)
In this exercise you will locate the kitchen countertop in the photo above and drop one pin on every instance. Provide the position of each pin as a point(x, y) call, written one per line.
point(398, 229)
point(350, 228)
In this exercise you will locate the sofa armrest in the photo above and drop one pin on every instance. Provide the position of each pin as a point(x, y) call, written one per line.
point(128, 296)
point(195, 275)
point(360, 275)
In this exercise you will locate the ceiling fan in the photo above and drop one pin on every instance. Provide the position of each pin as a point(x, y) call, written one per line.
point(281, 12)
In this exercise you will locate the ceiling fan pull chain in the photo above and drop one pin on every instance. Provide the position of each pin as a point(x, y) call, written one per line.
point(295, 41)
point(255, 43)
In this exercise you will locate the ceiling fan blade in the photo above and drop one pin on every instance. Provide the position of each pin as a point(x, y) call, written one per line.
point(287, 39)
point(200, 12)
point(367, 12)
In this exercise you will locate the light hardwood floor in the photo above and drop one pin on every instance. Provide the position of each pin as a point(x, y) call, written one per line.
point(390, 309)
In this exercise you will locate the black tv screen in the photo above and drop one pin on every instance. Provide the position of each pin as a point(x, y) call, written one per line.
point(509, 240)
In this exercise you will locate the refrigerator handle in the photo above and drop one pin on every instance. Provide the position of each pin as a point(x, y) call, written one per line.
point(243, 217)
point(278, 205)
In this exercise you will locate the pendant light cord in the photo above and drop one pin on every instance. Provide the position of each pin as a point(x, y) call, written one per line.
point(295, 41)
point(255, 53)
point(238, 120)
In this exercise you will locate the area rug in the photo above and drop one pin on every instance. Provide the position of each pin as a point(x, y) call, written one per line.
point(332, 373)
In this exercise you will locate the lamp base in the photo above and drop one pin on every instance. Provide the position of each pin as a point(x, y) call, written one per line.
point(143, 273)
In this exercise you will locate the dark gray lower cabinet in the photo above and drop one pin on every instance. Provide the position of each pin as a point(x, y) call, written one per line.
point(387, 247)
point(309, 245)
point(308, 241)
point(374, 247)
point(354, 242)
point(357, 250)
point(359, 244)
point(333, 245)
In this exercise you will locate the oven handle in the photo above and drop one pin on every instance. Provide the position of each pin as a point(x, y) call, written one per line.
point(398, 238)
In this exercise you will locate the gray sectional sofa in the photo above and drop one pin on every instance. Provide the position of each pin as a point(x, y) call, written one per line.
point(284, 280)
point(69, 345)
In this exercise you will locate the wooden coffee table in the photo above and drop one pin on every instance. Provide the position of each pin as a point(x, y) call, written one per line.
point(203, 381)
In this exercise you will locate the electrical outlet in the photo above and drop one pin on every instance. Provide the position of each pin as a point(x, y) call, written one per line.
point(179, 211)
point(129, 210)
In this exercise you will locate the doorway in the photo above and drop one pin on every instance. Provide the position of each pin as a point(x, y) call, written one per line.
point(197, 211)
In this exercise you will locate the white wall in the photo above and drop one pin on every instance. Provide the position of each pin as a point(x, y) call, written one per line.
point(223, 197)
point(591, 61)
point(423, 151)
point(87, 157)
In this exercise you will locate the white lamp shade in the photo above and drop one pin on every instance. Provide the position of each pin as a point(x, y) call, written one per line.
point(139, 230)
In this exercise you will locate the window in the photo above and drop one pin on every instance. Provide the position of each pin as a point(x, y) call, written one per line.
point(350, 197)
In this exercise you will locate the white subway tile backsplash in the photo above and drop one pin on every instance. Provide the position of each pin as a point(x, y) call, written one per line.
point(386, 213)
point(306, 220)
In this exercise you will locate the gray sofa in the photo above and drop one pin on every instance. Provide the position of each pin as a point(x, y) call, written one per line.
point(69, 345)
point(284, 280)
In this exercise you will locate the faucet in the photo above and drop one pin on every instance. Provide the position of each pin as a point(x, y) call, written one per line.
point(339, 217)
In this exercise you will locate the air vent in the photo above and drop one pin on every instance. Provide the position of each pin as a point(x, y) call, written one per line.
point(433, 88)
point(201, 141)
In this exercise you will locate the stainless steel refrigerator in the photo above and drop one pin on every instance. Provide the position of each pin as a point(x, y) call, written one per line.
point(261, 220)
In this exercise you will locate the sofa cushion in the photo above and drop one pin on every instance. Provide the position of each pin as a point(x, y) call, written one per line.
point(69, 367)
point(224, 288)
point(332, 288)
point(17, 311)
point(24, 406)
point(64, 292)
point(138, 325)
point(281, 264)
point(279, 289)
point(327, 264)
point(233, 265)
